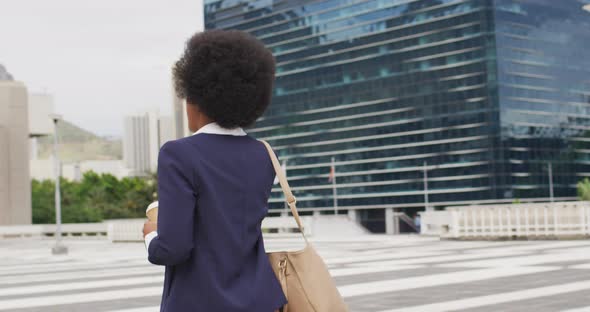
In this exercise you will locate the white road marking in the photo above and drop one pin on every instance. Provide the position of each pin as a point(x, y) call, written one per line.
point(585, 266)
point(583, 309)
point(513, 296)
point(27, 290)
point(520, 261)
point(69, 267)
point(61, 276)
point(437, 280)
point(371, 269)
point(561, 246)
point(8, 305)
point(386, 256)
point(455, 258)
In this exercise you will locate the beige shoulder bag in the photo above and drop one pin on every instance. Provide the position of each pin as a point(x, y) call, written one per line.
point(304, 277)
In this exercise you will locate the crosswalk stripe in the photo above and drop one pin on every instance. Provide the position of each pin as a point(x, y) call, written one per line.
point(49, 264)
point(583, 309)
point(436, 280)
point(481, 301)
point(382, 256)
point(455, 259)
point(371, 269)
point(62, 276)
point(528, 246)
point(71, 267)
point(27, 290)
point(127, 278)
point(521, 260)
point(11, 304)
point(584, 266)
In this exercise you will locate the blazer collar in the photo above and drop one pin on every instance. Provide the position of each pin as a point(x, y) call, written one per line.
point(214, 128)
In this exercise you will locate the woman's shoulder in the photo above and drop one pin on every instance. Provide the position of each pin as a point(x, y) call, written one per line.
point(175, 149)
point(172, 145)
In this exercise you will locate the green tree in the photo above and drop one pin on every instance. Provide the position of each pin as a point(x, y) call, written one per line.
point(94, 198)
point(584, 189)
point(43, 201)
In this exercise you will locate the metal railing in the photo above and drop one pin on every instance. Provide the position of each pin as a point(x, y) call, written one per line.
point(70, 230)
point(128, 230)
point(544, 220)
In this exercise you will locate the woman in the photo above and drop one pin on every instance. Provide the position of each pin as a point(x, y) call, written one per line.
point(213, 186)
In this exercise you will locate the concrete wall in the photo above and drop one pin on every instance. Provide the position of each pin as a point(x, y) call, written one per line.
point(42, 169)
point(15, 185)
point(4, 183)
point(40, 108)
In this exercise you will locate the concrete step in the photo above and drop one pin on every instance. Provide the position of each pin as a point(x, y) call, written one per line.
point(330, 225)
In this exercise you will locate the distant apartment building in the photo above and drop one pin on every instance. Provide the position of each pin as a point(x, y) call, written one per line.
point(179, 118)
point(136, 149)
point(144, 134)
point(15, 186)
point(486, 93)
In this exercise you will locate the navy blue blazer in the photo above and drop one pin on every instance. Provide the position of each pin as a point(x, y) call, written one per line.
point(213, 191)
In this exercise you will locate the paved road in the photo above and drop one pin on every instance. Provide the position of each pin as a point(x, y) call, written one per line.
point(373, 273)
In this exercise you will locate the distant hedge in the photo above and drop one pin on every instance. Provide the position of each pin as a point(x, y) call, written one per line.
point(93, 199)
point(584, 189)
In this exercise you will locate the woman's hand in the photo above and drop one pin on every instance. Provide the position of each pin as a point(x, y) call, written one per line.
point(148, 227)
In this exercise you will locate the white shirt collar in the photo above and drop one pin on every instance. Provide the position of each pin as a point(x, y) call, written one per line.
point(214, 128)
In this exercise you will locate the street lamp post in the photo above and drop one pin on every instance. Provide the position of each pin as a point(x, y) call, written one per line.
point(426, 200)
point(334, 191)
point(550, 169)
point(59, 248)
point(284, 168)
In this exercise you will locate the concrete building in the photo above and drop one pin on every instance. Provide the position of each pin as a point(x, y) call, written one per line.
point(41, 106)
point(144, 134)
point(15, 186)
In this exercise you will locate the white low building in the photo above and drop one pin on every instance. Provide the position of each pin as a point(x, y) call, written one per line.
point(42, 169)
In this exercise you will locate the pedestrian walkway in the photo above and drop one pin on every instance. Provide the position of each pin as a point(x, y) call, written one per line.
point(374, 274)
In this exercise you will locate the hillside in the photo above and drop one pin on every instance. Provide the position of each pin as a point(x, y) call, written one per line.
point(77, 144)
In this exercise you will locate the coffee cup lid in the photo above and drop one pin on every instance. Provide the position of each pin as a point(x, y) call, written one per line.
point(152, 205)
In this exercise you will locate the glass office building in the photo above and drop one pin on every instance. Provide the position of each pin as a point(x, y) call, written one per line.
point(482, 94)
point(544, 96)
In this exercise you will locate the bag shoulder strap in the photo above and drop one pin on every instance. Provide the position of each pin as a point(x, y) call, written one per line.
point(291, 200)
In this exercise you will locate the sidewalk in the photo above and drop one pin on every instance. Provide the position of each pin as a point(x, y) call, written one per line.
point(375, 273)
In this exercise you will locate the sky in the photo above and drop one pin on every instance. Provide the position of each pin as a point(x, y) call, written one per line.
point(100, 59)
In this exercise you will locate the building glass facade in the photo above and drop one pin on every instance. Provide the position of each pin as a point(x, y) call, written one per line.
point(481, 93)
point(544, 95)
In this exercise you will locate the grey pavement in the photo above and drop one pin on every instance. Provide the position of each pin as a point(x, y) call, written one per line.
point(374, 273)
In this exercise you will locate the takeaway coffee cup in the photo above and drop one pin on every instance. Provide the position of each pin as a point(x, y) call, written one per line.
point(152, 212)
